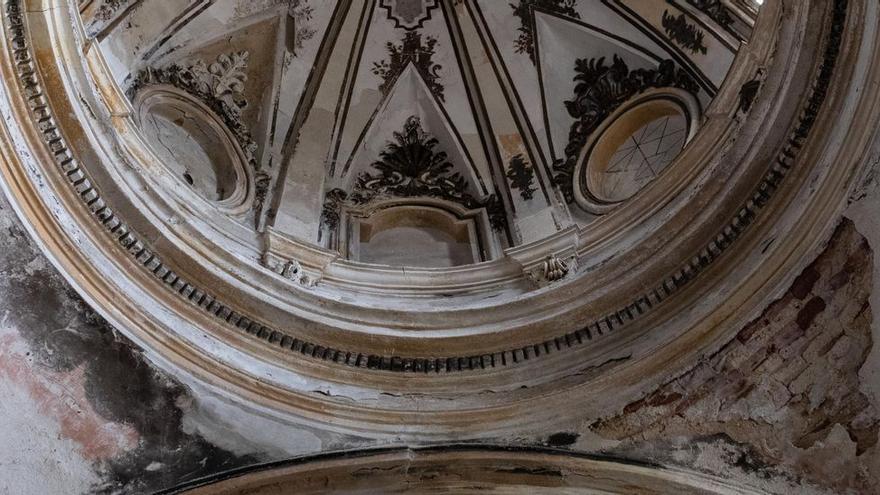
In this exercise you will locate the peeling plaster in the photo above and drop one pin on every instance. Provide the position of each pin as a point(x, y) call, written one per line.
point(83, 411)
point(864, 211)
point(782, 402)
point(36, 456)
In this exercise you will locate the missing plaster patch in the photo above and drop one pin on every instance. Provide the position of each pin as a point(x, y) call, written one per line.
point(786, 382)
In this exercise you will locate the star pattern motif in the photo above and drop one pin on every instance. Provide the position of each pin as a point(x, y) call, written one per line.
point(643, 156)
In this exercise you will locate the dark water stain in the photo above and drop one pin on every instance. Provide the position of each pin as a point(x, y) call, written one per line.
point(562, 439)
point(64, 333)
point(809, 312)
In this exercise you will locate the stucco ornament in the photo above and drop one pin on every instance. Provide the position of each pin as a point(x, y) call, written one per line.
point(266, 308)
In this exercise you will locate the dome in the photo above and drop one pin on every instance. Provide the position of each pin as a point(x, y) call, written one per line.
point(461, 216)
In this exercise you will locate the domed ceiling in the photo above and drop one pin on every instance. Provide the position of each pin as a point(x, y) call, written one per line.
point(493, 116)
point(422, 212)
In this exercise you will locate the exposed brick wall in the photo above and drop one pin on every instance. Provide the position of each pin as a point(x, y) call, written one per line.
point(787, 386)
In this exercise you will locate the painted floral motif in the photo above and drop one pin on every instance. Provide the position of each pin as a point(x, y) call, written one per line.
point(411, 166)
point(411, 50)
point(220, 85)
point(525, 11)
point(521, 176)
point(685, 34)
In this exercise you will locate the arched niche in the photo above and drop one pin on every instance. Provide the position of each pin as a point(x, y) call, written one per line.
point(195, 146)
point(422, 232)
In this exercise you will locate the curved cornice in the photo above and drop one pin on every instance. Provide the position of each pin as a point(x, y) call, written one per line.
point(486, 467)
point(788, 192)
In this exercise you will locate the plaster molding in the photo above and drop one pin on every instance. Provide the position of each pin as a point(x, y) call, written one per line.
point(61, 209)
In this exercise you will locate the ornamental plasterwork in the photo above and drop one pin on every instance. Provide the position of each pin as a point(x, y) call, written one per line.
point(716, 10)
point(525, 12)
point(553, 269)
point(220, 85)
point(522, 177)
point(197, 297)
point(516, 170)
point(411, 50)
point(602, 88)
point(411, 167)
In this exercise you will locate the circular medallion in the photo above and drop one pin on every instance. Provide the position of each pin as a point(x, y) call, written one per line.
point(633, 147)
point(194, 145)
